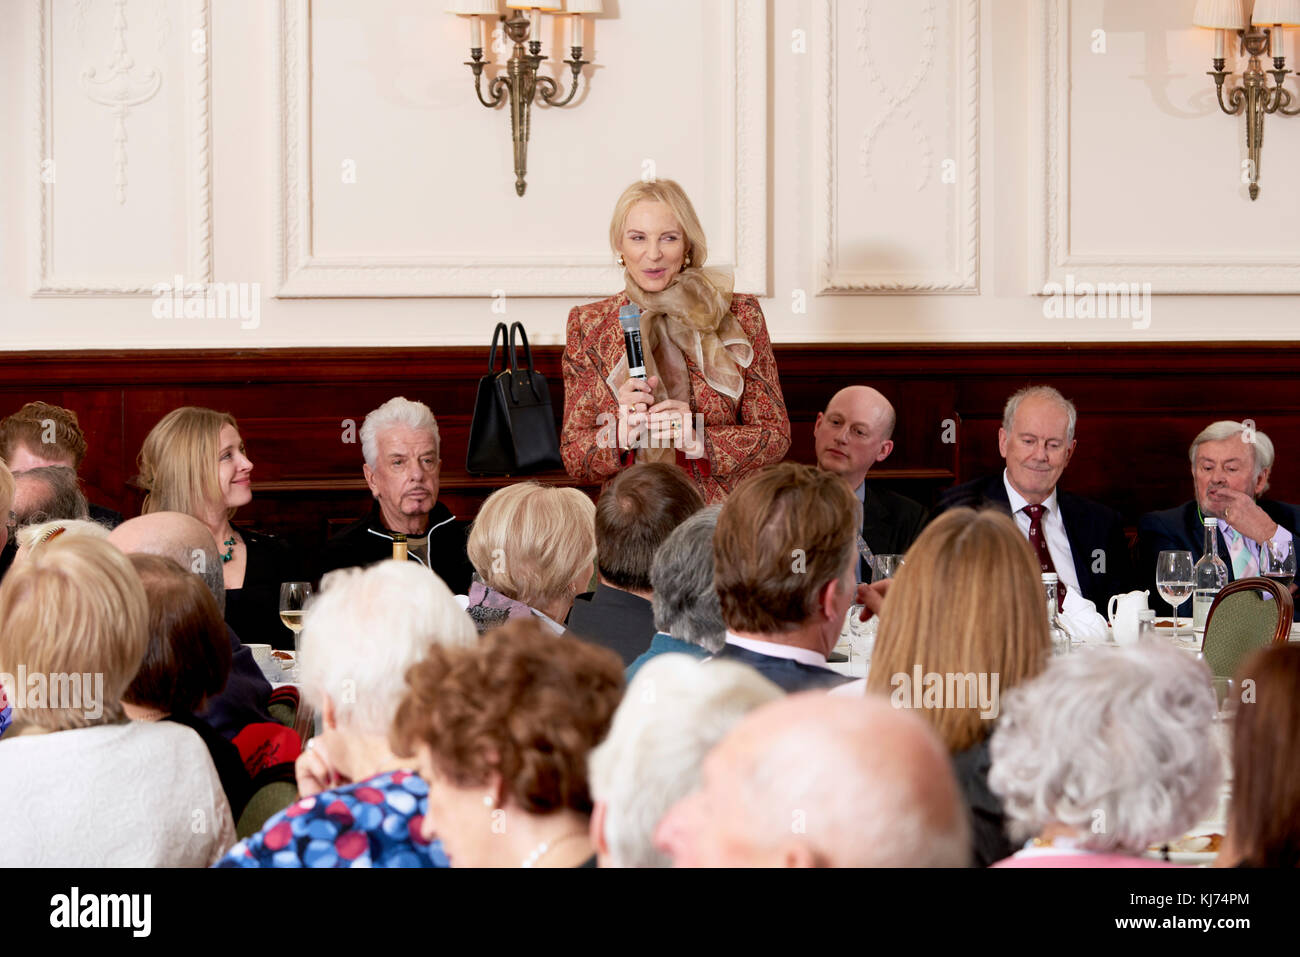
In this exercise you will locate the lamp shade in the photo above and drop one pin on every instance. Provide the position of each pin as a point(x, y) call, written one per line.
point(1276, 11)
point(547, 6)
point(592, 6)
point(1220, 14)
point(482, 8)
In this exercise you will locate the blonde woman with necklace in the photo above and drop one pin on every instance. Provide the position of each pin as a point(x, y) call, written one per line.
point(194, 461)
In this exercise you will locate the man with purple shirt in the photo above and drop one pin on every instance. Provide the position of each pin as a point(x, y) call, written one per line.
point(1231, 462)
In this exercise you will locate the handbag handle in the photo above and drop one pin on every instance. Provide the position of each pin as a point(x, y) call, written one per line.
point(498, 333)
point(515, 372)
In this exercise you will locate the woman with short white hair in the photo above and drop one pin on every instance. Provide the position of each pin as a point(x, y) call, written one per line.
point(673, 713)
point(362, 634)
point(1104, 754)
point(533, 548)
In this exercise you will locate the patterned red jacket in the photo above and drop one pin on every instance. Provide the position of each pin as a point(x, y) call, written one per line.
point(738, 438)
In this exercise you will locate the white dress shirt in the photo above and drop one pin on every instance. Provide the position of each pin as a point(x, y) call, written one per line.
point(776, 650)
point(1058, 543)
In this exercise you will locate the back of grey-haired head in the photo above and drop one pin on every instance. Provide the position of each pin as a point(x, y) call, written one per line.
point(685, 602)
point(396, 411)
point(203, 560)
point(1112, 742)
point(673, 713)
point(61, 496)
point(1260, 444)
point(1041, 392)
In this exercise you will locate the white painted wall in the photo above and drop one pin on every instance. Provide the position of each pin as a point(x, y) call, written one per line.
point(820, 175)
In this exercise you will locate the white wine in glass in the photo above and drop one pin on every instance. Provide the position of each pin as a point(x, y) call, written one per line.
point(294, 598)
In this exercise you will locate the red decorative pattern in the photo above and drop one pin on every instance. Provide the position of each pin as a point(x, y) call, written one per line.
point(737, 440)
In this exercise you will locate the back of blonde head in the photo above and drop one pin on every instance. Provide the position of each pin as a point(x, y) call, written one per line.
point(530, 541)
point(75, 607)
point(968, 599)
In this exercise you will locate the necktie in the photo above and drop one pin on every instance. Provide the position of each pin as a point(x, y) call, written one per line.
point(1243, 562)
point(869, 560)
point(1039, 541)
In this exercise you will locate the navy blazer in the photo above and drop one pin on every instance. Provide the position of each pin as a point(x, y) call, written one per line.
point(1181, 529)
point(245, 698)
point(614, 619)
point(785, 673)
point(1095, 531)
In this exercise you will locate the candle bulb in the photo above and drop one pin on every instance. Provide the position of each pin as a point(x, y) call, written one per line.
point(1218, 44)
point(476, 33)
point(575, 31)
point(535, 31)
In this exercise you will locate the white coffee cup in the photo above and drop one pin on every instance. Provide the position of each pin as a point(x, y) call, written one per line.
point(1122, 613)
point(261, 654)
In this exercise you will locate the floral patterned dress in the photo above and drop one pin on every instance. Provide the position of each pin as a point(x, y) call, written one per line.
point(373, 823)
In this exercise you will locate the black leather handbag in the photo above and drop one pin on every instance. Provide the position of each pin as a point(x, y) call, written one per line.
point(513, 430)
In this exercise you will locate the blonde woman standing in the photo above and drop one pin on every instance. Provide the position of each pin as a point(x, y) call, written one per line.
point(708, 359)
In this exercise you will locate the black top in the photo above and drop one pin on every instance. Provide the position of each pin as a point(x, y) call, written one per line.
point(1098, 545)
point(786, 673)
point(225, 758)
point(253, 610)
point(990, 843)
point(105, 516)
point(244, 699)
point(890, 522)
point(614, 619)
point(368, 540)
point(1181, 529)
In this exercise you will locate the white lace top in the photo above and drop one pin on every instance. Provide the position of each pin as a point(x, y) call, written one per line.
point(137, 794)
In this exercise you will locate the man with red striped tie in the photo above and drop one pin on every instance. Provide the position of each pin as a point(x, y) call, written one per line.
point(1082, 541)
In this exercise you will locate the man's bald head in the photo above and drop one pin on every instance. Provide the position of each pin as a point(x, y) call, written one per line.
point(854, 433)
point(182, 538)
point(818, 780)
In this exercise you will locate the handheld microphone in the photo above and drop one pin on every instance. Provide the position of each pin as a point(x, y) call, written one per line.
point(629, 317)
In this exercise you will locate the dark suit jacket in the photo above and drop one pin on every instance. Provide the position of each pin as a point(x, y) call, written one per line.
point(367, 541)
point(614, 619)
point(245, 698)
point(890, 522)
point(785, 673)
point(1090, 526)
point(1180, 529)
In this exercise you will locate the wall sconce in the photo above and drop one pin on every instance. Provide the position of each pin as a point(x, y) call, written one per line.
point(1254, 96)
point(520, 82)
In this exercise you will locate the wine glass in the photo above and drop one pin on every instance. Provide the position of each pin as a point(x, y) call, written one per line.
point(886, 566)
point(1226, 695)
point(294, 597)
point(1174, 580)
point(1277, 561)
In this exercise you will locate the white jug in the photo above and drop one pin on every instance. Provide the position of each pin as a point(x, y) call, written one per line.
point(1122, 612)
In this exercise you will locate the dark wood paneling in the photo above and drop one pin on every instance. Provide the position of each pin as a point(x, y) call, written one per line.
point(1139, 407)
